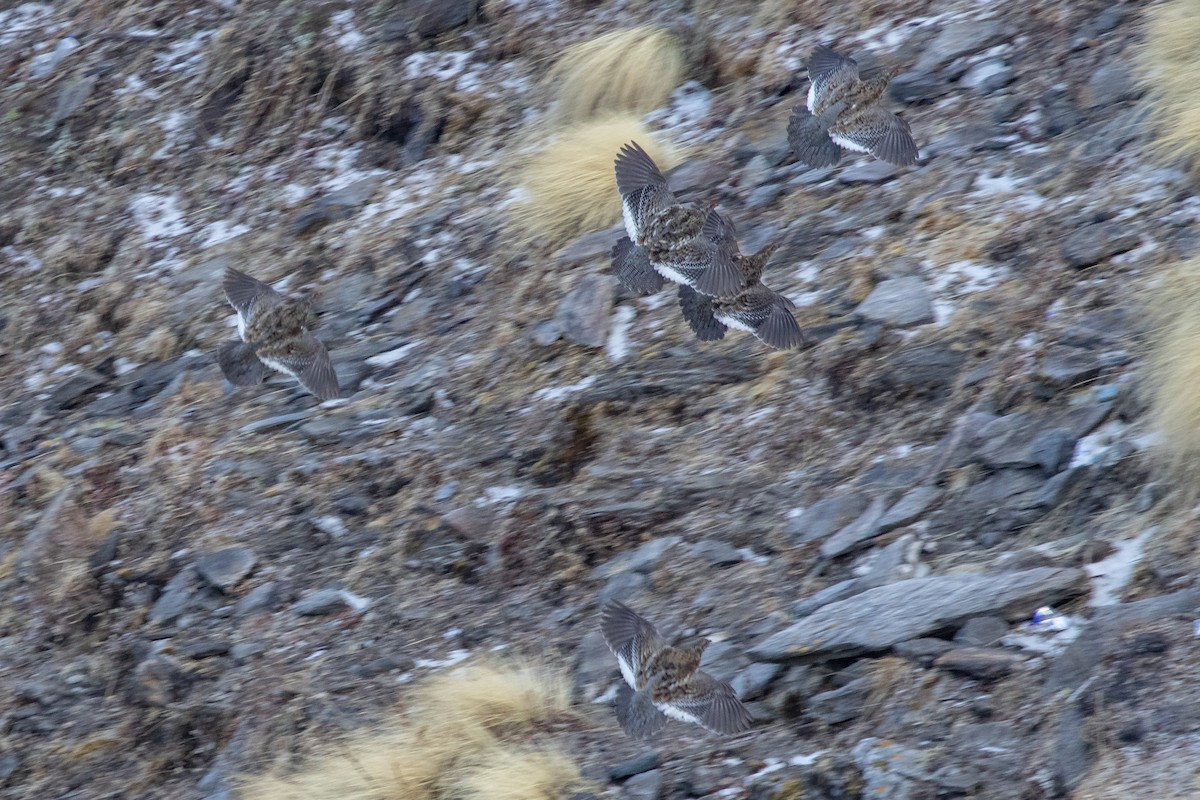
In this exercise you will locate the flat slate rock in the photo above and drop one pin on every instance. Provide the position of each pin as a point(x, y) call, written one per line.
point(902, 302)
point(879, 618)
point(225, 568)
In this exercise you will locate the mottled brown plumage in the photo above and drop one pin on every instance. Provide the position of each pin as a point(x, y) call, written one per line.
point(274, 333)
point(844, 110)
point(662, 681)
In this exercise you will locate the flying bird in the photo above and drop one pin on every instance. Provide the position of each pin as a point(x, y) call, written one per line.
point(274, 334)
point(662, 681)
point(754, 308)
point(663, 233)
point(844, 110)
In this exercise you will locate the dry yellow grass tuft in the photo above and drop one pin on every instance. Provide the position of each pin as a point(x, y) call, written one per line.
point(1173, 372)
point(630, 71)
point(569, 184)
point(515, 774)
point(1169, 68)
point(459, 739)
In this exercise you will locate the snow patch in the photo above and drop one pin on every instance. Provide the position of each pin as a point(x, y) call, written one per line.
point(158, 215)
point(1111, 575)
point(617, 347)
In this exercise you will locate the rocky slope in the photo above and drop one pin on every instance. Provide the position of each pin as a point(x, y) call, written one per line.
point(201, 582)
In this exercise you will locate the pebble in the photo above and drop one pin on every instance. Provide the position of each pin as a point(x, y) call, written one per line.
point(583, 315)
point(175, 597)
point(320, 602)
point(716, 552)
point(827, 515)
point(869, 172)
point(634, 766)
point(902, 302)
point(72, 391)
point(226, 568)
point(644, 559)
point(644, 786)
point(1090, 244)
point(988, 76)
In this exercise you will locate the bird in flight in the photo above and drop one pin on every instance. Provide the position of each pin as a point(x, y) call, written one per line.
point(844, 110)
point(754, 308)
point(274, 334)
point(662, 681)
point(665, 238)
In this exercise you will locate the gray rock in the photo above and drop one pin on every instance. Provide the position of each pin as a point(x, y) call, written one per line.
point(868, 172)
point(1071, 753)
point(260, 598)
point(594, 246)
point(764, 196)
point(982, 631)
point(1064, 366)
point(910, 508)
point(902, 302)
point(224, 569)
point(827, 515)
point(319, 603)
point(276, 422)
point(879, 618)
point(623, 586)
point(1054, 490)
point(858, 532)
point(424, 19)
point(715, 552)
point(917, 86)
point(634, 766)
point(594, 663)
point(175, 597)
point(696, 175)
point(959, 38)
point(156, 682)
point(922, 651)
point(830, 594)
point(71, 97)
point(753, 681)
point(1110, 84)
point(884, 565)
point(72, 391)
point(43, 64)
point(644, 559)
point(583, 315)
point(246, 651)
point(546, 333)
point(1018, 440)
point(842, 704)
point(1104, 635)
point(334, 207)
point(890, 769)
point(988, 76)
point(985, 663)
point(1059, 113)
point(644, 786)
point(1096, 242)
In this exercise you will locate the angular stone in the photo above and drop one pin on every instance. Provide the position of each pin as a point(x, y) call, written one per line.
point(922, 651)
point(1064, 366)
point(644, 559)
point(842, 704)
point(879, 618)
point(982, 631)
point(1099, 241)
point(715, 552)
point(869, 172)
point(71, 391)
point(902, 302)
point(320, 602)
point(260, 598)
point(910, 508)
point(959, 38)
point(752, 682)
point(583, 315)
point(827, 515)
point(634, 766)
point(862, 529)
point(224, 569)
point(175, 597)
point(986, 663)
point(594, 246)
